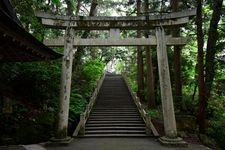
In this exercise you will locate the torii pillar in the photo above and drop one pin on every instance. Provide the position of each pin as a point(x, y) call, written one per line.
point(64, 101)
point(170, 137)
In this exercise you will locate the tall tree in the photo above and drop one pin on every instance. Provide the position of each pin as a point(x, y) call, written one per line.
point(205, 86)
point(150, 75)
point(78, 7)
point(80, 50)
point(140, 75)
point(70, 8)
point(201, 82)
point(177, 62)
point(211, 46)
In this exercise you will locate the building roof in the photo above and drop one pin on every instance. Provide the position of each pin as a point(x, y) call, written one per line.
point(16, 44)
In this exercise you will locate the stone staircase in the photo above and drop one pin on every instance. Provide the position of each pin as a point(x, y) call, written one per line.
point(114, 113)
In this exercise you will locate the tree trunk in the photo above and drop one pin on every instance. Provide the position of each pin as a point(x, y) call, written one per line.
point(69, 7)
point(78, 7)
point(201, 82)
point(140, 76)
point(210, 62)
point(211, 46)
point(150, 79)
point(150, 76)
point(80, 50)
point(93, 10)
point(140, 92)
point(196, 82)
point(177, 62)
point(174, 4)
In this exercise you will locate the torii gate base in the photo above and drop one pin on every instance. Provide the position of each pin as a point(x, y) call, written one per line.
point(114, 24)
point(173, 142)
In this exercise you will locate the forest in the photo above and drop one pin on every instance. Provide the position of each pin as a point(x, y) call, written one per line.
point(197, 70)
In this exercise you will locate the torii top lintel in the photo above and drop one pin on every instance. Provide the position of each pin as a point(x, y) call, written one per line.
point(124, 23)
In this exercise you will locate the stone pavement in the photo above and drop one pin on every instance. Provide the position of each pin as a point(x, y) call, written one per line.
point(23, 147)
point(121, 144)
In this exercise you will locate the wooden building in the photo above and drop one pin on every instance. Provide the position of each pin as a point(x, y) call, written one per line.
point(16, 44)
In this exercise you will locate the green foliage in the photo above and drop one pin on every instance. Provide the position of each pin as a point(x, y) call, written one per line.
point(93, 69)
point(34, 89)
point(39, 128)
point(216, 112)
point(90, 72)
point(25, 125)
point(217, 130)
point(77, 105)
point(56, 2)
point(154, 113)
point(119, 67)
point(83, 85)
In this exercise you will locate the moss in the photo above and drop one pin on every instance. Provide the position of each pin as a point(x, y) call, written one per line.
point(61, 133)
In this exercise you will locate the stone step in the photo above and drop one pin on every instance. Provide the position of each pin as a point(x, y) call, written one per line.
point(114, 128)
point(115, 115)
point(112, 111)
point(115, 132)
point(115, 108)
point(115, 103)
point(115, 135)
point(113, 122)
point(114, 119)
point(115, 99)
point(141, 124)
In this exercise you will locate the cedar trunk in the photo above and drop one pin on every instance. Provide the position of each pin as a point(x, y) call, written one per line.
point(140, 74)
point(211, 46)
point(80, 50)
point(210, 61)
point(150, 79)
point(150, 76)
point(177, 62)
point(201, 82)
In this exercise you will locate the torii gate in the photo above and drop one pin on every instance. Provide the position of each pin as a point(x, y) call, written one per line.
point(114, 25)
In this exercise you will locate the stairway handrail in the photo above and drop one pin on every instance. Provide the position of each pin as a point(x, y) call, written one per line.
point(85, 115)
point(147, 119)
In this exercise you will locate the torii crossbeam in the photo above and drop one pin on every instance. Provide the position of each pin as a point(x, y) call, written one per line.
point(125, 23)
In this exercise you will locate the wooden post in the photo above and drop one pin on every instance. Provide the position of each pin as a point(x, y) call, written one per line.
point(148, 126)
point(165, 85)
point(67, 62)
point(82, 128)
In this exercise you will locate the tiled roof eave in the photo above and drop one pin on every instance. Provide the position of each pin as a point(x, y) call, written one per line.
point(19, 45)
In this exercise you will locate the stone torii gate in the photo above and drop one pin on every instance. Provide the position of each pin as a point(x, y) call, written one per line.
point(114, 25)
